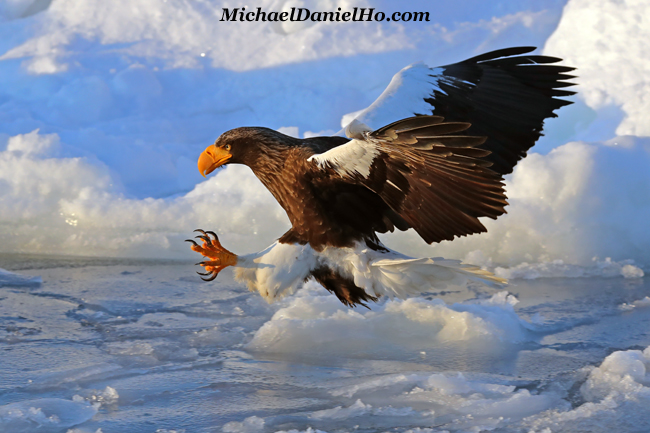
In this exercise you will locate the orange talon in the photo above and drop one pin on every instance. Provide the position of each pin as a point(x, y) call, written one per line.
point(212, 249)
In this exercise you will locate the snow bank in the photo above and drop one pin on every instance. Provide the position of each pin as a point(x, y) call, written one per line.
point(616, 398)
point(315, 323)
point(10, 279)
point(49, 415)
point(606, 41)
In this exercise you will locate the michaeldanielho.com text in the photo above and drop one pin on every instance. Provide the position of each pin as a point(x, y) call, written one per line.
point(304, 14)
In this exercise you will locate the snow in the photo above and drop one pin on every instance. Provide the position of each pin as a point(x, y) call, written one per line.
point(393, 327)
point(104, 109)
point(609, 50)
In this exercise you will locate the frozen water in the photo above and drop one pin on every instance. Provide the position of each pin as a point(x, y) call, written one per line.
point(104, 107)
point(141, 346)
point(11, 279)
point(44, 414)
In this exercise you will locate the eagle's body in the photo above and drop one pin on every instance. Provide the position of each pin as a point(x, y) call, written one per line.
point(437, 173)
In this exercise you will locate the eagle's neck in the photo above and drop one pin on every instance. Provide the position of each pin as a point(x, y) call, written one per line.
point(276, 159)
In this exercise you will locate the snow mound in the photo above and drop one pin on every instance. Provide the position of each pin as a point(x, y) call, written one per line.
point(616, 394)
point(316, 323)
point(45, 415)
point(11, 279)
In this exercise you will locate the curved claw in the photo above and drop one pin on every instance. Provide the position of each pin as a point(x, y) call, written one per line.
point(205, 238)
point(206, 274)
point(216, 238)
point(214, 275)
point(199, 231)
point(190, 240)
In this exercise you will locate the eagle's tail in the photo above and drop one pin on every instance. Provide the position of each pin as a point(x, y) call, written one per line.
point(394, 275)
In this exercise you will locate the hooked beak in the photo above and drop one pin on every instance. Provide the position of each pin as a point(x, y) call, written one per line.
point(212, 158)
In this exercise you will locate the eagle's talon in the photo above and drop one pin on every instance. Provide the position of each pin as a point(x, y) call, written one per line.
point(190, 240)
point(211, 278)
point(205, 239)
point(219, 257)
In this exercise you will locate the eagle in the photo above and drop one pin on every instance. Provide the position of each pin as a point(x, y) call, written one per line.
point(429, 154)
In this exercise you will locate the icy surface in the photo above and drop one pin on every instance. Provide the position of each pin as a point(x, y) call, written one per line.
point(12, 279)
point(138, 346)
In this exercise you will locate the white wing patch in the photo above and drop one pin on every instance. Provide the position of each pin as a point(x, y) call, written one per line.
point(404, 97)
point(349, 159)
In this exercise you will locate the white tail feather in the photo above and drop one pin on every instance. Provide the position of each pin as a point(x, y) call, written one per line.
point(282, 268)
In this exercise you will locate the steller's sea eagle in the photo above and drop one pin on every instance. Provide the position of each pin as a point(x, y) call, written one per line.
point(429, 154)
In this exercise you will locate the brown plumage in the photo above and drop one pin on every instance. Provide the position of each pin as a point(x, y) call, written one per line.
point(424, 175)
point(436, 173)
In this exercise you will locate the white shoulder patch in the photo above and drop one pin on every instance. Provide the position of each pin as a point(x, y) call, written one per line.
point(405, 96)
point(349, 159)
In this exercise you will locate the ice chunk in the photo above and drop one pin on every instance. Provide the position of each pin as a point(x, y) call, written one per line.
point(44, 415)
point(311, 323)
point(251, 424)
point(616, 393)
point(11, 279)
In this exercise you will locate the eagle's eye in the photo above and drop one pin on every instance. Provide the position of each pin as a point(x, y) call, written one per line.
point(227, 147)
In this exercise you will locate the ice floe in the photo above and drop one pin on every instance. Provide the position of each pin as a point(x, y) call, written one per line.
point(12, 279)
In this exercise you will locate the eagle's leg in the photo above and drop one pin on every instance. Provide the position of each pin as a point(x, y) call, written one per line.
point(212, 249)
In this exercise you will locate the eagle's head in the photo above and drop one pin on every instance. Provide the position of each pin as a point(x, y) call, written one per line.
point(240, 146)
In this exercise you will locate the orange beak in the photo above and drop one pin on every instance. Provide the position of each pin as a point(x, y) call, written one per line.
point(212, 158)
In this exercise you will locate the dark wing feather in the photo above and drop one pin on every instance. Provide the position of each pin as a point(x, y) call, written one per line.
point(505, 95)
point(437, 183)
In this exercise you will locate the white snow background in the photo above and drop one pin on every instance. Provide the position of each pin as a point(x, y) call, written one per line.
point(104, 109)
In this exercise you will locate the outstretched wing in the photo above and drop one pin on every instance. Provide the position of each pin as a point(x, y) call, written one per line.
point(505, 95)
point(435, 178)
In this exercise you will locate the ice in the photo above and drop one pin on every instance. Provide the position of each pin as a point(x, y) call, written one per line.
point(645, 302)
point(557, 269)
point(311, 325)
point(613, 392)
point(11, 279)
point(137, 338)
point(46, 415)
point(251, 424)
